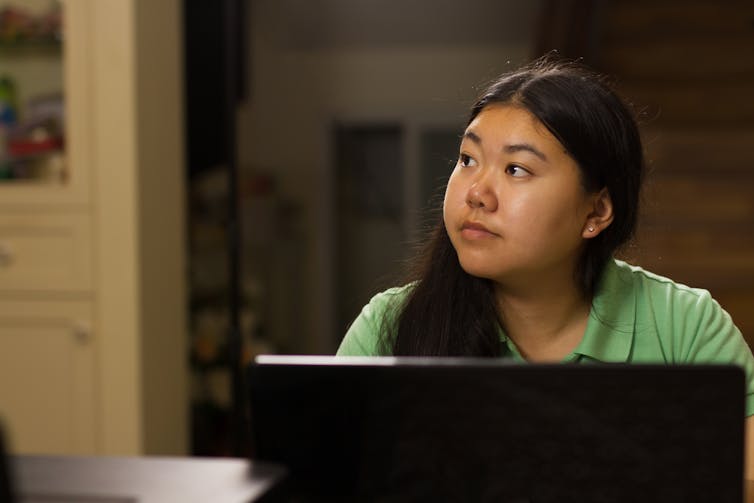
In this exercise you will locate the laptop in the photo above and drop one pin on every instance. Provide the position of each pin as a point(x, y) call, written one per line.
point(436, 429)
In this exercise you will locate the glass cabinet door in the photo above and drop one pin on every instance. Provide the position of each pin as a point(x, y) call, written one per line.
point(32, 123)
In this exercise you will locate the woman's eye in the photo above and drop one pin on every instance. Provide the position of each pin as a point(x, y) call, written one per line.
point(466, 160)
point(516, 171)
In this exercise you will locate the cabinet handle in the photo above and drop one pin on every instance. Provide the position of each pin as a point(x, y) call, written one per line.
point(6, 256)
point(82, 333)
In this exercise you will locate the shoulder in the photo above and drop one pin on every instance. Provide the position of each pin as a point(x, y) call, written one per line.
point(639, 276)
point(655, 293)
point(632, 296)
point(690, 325)
point(383, 304)
point(364, 335)
point(388, 299)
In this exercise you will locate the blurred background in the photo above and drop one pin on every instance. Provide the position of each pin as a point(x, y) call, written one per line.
point(241, 176)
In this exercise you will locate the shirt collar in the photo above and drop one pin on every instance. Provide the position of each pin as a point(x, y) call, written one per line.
point(609, 332)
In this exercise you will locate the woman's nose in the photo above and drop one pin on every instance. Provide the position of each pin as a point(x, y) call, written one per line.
point(481, 195)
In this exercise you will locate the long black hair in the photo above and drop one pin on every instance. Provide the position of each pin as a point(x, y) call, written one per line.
point(449, 312)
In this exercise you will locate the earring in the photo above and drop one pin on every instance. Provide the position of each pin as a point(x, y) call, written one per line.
point(590, 228)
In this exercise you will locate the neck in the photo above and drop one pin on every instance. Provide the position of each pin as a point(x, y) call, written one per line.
point(545, 321)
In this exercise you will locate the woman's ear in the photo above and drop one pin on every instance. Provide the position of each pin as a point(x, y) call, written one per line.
point(601, 215)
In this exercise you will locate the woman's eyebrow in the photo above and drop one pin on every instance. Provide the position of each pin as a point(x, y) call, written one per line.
point(510, 149)
point(471, 135)
point(518, 147)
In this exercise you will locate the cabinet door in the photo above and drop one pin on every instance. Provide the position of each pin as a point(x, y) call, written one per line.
point(33, 68)
point(47, 384)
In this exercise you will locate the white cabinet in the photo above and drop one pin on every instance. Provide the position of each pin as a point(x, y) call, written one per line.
point(93, 337)
point(48, 386)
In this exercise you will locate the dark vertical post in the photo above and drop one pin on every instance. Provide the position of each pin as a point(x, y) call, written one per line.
point(7, 488)
point(232, 24)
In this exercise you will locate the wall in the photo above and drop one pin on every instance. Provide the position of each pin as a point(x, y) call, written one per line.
point(310, 68)
point(138, 200)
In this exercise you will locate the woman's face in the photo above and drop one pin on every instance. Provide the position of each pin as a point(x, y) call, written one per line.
point(515, 208)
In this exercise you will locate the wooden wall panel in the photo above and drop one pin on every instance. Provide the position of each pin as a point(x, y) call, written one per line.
point(687, 67)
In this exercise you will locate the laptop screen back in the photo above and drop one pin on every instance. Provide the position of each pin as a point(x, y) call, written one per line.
point(483, 430)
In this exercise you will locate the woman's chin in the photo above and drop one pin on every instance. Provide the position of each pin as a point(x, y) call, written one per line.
point(483, 271)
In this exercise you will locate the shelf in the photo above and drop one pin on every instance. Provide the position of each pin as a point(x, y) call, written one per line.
point(36, 48)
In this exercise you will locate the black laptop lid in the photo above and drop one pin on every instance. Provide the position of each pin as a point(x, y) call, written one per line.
point(483, 430)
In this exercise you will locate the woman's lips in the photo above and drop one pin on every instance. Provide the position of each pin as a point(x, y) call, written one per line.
point(475, 230)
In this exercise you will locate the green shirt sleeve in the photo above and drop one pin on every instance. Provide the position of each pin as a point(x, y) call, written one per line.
point(363, 337)
point(715, 339)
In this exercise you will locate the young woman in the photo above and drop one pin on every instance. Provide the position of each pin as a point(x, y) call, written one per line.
point(545, 191)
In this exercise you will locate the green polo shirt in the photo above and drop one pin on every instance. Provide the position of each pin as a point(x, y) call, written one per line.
point(636, 317)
